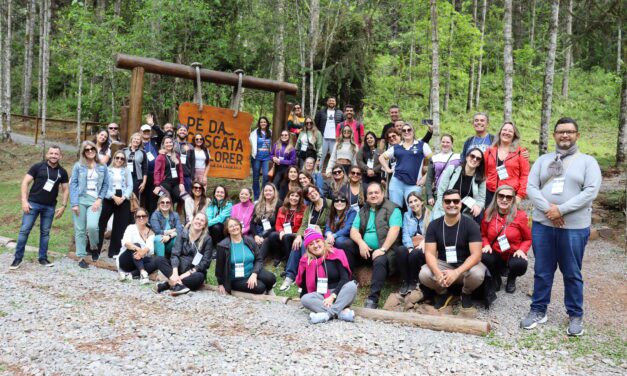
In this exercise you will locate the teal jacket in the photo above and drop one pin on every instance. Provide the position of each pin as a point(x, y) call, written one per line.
point(218, 212)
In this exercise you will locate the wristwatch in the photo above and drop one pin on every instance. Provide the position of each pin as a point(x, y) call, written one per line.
point(383, 249)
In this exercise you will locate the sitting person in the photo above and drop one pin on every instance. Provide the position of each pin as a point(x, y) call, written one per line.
point(198, 203)
point(243, 210)
point(239, 265)
point(506, 238)
point(218, 210)
point(191, 257)
point(337, 186)
point(310, 167)
point(338, 227)
point(411, 256)
point(453, 254)
point(264, 220)
point(138, 244)
point(166, 224)
point(376, 231)
point(324, 276)
point(288, 222)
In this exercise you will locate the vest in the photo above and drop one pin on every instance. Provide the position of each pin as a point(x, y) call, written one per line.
point(381, 220)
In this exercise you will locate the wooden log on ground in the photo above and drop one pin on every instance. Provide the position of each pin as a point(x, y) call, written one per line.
point(99, 264)
point(245, 295)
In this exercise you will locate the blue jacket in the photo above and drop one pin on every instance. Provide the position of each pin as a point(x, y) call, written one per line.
point(216, 216)
point(344, 231)
point(78, 182)
point(127, 183)
point(157, 222)
point(411, 226)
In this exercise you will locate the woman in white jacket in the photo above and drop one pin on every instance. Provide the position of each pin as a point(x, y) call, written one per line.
point(261, 145)
point(138, 245)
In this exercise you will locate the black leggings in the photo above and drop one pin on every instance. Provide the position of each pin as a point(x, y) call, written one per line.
point(279, 173)
point(380, 270)
point(217, 233)
point(265, 282)
point(128, 263)
point(172, 186)
point(193, 282)
point(409, 264)
point(496, 265)
point(121, 219)
point(271, 242)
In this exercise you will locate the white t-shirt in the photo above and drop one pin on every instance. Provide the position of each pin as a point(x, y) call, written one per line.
point(200, 159)
point(92, 182)
point(329, 130)
point(116, 179)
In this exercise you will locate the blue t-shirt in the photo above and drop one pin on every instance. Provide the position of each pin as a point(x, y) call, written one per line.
point(240, 253)
point(264, 144)
point(409, 161)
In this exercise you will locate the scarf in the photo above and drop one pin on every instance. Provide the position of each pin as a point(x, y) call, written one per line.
point(309, 268)
point(556, 166)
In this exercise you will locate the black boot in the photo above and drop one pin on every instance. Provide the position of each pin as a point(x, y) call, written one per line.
point(510, 287)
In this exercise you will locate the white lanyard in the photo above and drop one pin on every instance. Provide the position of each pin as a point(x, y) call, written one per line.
point(322, 283)
point(450, 251)
point(198, 255)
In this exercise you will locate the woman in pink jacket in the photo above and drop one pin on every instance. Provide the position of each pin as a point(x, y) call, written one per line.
point(243, 210)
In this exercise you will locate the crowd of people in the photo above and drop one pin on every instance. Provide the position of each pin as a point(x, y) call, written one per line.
point(450, 225)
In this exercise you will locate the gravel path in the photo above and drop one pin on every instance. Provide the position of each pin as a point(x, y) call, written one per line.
point(66, 320)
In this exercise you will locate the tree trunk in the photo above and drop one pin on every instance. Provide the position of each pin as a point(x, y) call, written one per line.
point(449, 61)
point(480, 64)
point(435, 75)
point(532, 27)
point(621, 148)
point(547, 93)
point(517, 25)
point(40, 62)
point(79, 99)
point(619, 56)
point(568, 54)
point(508, 61)
point(45, 66)
point(117, 9)
point(314, 16)
point(280, 41)
point(412, 47)
point(28, 58)
point(6, 131)
point(471, 71)
point(1, 71)
point(327, 45)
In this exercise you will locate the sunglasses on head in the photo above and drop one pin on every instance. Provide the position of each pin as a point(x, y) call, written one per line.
point(475, 157)
point(454, 201)
point(503, 197)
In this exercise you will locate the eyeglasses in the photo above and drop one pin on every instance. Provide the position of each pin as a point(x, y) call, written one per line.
point(165, 203)
point(565, 133)
point(200, 139)
point(337, 172)
point(407, 130)
point(309, 122)
point(356, 173)
point(475, 157)
point(454, 201)
point(120, 158)
point(87, 150)
point(141, 216)
point(503, 197)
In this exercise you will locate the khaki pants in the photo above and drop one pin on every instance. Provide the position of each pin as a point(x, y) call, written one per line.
point(470, 279)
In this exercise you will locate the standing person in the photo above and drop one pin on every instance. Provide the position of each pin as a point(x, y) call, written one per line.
point(89, 184)
point(198, 203)
point(261, 144)
point(368, 160)
point(116, 203)
point(376, 231)
point(289, 182)
point(411, 156)
point(166, 224)
point(239, 265)
point(218, 211)
point(138, 247)
point(411, 256)
point(469, 181)
point(453, 254)
point(103, 147)
point(506, 238)
point(324, 276)
point(243, 210)
point(338, 227)
point(326, 120)
point(283, 156)
point(482, 139)
point(337, 186)
point(197, 160)
point(181, 146)
point(505, 163)
point(355, 192)
point(264, 220)
point(438, 163)
point(296, 120)
point(562, 186)
point(395, 114)
point(310, 167)
point(159, 133)
point(169, 173)
point(350, 121)
point(47, 177)
point(150, 148)
point(309, 144)
point(114, 133)
point(344, 151)
point(137, 164)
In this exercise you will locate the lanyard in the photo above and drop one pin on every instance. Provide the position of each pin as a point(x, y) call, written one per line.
point(290, 215)
point(324, 265)
point(444, 233)
point(461, 177)
point(48, 173)
point(168, 158)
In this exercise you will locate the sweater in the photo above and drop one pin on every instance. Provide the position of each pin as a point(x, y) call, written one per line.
point(342, 151)
point(131, 235)
point(218, 212)
point(289, 158)
point(244, 213)
point(517, 170)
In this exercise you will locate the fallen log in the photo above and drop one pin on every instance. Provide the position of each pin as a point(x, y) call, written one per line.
point(99, 264)
point(245, 295)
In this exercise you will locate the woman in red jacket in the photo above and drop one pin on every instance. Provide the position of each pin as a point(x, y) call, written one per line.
point(168, 175)
point(506, 238)
point(288, 222)
point(506, 163)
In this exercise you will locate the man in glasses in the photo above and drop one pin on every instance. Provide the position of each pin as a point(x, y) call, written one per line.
point(562, 186)
point(357, 127)
point(327, 120)
point(114, 132)
point(453, 254)
point(46, 178)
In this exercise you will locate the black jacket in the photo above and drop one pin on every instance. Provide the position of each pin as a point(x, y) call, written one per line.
point(190, 165)
point(321, 119)
point(223, 261)
point(184, 251)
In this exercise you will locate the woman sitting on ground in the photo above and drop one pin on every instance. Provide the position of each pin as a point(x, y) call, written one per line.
point(239, 265)
point(138, 245)
point(217, 212)
point(243, 210)
point(288, 222)
point(198, 203)
point(339, 223)
point(338, 186)
point(167, 226)
point(264, 220)
point(325, 279)
point(289, 182)
point(305, 180)
point(356, 189)
point(310, 167)
point(191, 257)
point(411, 257)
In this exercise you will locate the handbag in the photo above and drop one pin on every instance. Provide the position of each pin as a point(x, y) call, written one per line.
point(271, 171)
point(134, 203)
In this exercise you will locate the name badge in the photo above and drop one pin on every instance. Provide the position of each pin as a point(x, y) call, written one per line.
point(161, 192)
point(150, 157)
point(322, 285)
point(451, 255)
point(355, 207)
point(313, 226)
point(303, 145)
point(131, 166)
point(266, 224)
point(502, 172)
point(184, 158)
point(469, 202)
point(173, 172)
point(197, 258)
point(49, 185)
point(287, 228)
point(503, 242)
point(557, 186)
point(370, 163)
point(91, 185)
point(239, 270)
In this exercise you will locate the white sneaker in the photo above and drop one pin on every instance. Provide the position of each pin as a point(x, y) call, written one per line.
point(286, 284)
point(123, 276)
point(143, 279)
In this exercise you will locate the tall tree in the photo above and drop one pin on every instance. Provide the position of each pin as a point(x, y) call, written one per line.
point(619, 55)
point(2, 35)
point(27, 81)
point(471, 71)
point(549, 72)
point(8, 39)
point(314, 36)
point(532, 26)
point(330, 35)
point(508, 62)
point(45, 59)
point(517, 23)
point(621, 147)
point(449, 61)
point(435, 72)
point(302, 55)
point(280, 41)
point(484, 10)
point(568, 53)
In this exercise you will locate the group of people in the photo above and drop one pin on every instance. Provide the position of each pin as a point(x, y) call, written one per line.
point(447, 223)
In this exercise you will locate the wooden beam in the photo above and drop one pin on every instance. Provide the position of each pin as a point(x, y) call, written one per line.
point(125, 133)
point(278, 117)
point(135, 102)
point(258, 298)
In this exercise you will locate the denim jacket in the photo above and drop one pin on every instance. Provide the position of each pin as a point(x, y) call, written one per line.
point(348, 224)
point(127, 183)
point(413, 226)
point(157, 222)
point(78, 182)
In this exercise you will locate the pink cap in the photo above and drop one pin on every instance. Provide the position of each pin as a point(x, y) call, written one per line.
point(310, 236)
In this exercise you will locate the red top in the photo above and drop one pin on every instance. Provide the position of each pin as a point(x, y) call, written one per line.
point(517, 170)
point(357, 127)
point(160, 165)
point(294, 217)
point(518, 234)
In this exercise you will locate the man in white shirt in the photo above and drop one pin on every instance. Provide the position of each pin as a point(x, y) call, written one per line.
point(327, 120)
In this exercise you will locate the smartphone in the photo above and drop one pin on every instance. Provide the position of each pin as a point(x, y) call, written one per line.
point(427, 122)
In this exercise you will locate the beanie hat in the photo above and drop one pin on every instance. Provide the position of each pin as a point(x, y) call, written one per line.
point(311, 235)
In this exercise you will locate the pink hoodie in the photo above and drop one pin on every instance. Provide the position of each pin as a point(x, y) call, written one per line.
point(244, 213)
point(310, 269)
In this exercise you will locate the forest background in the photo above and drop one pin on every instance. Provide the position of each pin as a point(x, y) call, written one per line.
point(531, 61)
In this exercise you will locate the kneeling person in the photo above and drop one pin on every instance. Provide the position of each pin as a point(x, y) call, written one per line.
point(452, 253)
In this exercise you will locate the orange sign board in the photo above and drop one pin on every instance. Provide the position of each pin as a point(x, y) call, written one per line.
point(226, 138)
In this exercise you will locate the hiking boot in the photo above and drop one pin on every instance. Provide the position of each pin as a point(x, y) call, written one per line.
point(286, 284)
point(83, 264)
point(497, 283)
point(575, 326)
point(15, 264)
point(46, 262)
point(441, 301)
point(467, 301)
point(510, 286)
point(369, 303)
point(161, 287)
point(404, 289)
point(533, 319)
point(319, 317)
point(179, 289)
point(347, 315)
point(95, 254)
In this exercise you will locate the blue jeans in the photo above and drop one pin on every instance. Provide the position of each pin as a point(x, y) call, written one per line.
point(46, 213)
point(262, 167)
point(553, 246)
point(399, 191)
point(291, 268)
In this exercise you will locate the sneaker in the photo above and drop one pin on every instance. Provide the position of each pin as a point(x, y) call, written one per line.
point(412, 286)
point(467, 301)
point(15, 264)
point(347, 315)
point(83, 264)
point(123, 276)
point(510, 286)
point(286, 284)
point(404, 289)
point(161, 287)
point(319, 317)
point(369, 303)
point(143, 279)
point(575, 326)
point(179, 289)
point(46, 262)
point(95, 254)
point(442, 301)
point(533, 319)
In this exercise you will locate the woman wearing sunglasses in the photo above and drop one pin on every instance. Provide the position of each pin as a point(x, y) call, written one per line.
point(89, 185)
point(344, 152)
point(296, 120)
point(355, 188)
point(283, 156)
point(309, 143)
point(411, 257)
point(197, 163)
point(469, 180)
point(138, 245)
point(338, 186)
point(137, 163)
point(506, 238)
point(167, 226)
point(368, 160)
point(338, 227)
point(198, 203)
point(116, 203)
point(261, 145)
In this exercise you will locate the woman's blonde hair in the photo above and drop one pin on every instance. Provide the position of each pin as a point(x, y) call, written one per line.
point(515, 139)
point(172, 153)
point(260, 207)
point(340, 138)
point(124, 164)
point(493, 209)
point(81, 158)
point(198, 235)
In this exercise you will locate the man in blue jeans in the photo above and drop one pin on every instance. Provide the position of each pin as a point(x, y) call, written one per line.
point(561, 186)
point(47, 177)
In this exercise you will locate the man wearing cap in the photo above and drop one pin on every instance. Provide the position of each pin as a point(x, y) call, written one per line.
point(150, 148)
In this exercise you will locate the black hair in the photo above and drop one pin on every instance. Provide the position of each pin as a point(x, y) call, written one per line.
point(480, 170)
point(268, 128)
point(566, 120)
point(449, 192)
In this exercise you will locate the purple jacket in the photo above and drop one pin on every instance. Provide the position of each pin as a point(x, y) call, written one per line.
point(289, 158)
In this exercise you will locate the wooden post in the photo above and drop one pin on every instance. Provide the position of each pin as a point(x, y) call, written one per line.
point(36, 130)
point(135, 105)
point(84, 131)
point(278, 117)
point(124, 131)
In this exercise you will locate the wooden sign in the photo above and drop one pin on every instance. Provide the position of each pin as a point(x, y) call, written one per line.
point(226, 138)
